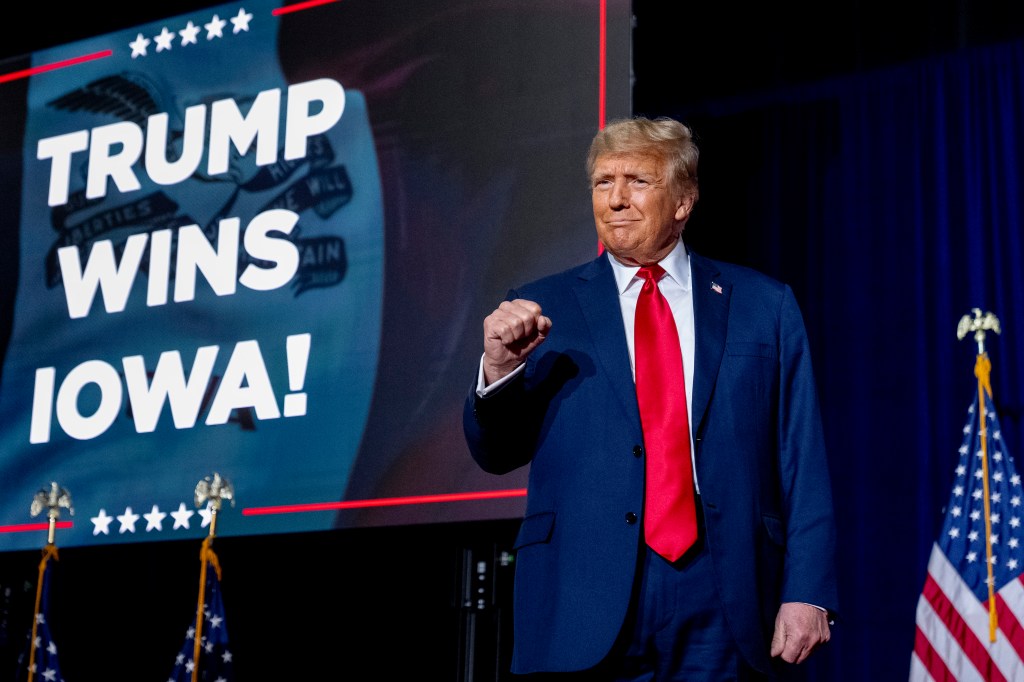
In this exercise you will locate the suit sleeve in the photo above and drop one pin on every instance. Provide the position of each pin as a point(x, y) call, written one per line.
point(809, 571)
point(500, 429)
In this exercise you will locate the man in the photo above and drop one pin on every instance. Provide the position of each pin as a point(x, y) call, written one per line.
point(563, 384)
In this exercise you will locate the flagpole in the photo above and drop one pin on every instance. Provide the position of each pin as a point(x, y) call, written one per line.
point(979, 324)
point(211, 491)
point(51, 501)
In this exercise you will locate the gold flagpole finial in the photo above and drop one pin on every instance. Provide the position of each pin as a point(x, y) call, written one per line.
point(51, 500)
point(213, 490)
point(978, 324)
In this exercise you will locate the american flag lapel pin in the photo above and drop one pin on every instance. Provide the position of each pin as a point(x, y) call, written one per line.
point(716, 287)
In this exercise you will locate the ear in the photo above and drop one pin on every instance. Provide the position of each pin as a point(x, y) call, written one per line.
point(684, 207)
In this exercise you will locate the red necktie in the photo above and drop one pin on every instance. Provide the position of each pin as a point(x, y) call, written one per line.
point(670, 522)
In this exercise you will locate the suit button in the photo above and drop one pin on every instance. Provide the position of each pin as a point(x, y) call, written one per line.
point(630, 518)
point(637, 451)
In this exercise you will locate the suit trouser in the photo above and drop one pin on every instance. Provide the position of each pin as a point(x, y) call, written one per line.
point(675, 630)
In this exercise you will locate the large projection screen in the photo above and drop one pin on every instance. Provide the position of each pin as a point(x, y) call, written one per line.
point(259, 240)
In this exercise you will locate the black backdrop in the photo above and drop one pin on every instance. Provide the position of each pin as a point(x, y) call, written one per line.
point(737, 77)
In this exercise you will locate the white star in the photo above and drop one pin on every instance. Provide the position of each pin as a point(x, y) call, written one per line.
point(163, 40)
point(1011, 564)
point(215, 29)
point(181, 516)
point(50, 674)
point(998, 457)
point(155, 519)
point(958, 490)
point(179, 659)
point(189, 666)
point(1013, 543)
point(1014, 521)
point(954, 532)
point(996, 497)
point(241, 21)
point(127, 520)
point(207, 514)
point(52, 647)
point(975, 515)
point(215, 622)
point(139, 46)
point(188, 34)
point(226, 656)
point(955, 512)
point(994, 517)
point(1015, 479)
point(972, 557)
point(972, 536)
point(961, 470)
point(101, 523)
point(976, 494)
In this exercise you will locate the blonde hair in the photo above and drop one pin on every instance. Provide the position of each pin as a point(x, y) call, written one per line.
point(662, 137)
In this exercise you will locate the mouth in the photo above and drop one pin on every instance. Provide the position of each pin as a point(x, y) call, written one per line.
point(619, 222)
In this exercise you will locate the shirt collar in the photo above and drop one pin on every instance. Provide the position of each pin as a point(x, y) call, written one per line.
point(676, 264)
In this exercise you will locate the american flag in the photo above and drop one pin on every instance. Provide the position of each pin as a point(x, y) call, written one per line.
point(39, 660)
point(954, 622)
point(215, 661)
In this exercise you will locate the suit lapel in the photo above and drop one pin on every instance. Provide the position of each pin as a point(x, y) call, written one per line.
point(711, 321)
point(597, 294)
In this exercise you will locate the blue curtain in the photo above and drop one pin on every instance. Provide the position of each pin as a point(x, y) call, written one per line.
point(892, 203)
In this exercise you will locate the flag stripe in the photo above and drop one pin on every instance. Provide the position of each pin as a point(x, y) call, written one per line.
point(965, 611)
point(963, 633)
point(1009, 625)
point(949, 635)
point(931, 665)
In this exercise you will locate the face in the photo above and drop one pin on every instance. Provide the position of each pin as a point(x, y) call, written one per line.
point(638, 213)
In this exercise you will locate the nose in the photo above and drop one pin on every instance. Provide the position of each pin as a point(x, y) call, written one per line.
point(619, 196)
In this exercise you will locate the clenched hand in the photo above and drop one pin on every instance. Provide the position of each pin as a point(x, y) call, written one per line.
point(510, 334)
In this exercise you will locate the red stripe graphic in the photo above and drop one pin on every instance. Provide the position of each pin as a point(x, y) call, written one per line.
point(300, 6)
point(23, 527)
point(602, 82)
point(385, 502)
point(25, 73)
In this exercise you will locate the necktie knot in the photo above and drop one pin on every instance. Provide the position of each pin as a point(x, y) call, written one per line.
point(651, 274)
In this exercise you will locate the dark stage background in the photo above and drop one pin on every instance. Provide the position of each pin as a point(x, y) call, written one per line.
point(866, 153)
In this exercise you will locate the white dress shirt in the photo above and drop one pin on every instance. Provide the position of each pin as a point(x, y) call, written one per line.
point(675, 287)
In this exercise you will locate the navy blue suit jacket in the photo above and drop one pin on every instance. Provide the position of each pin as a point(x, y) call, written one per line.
point(573, 416)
